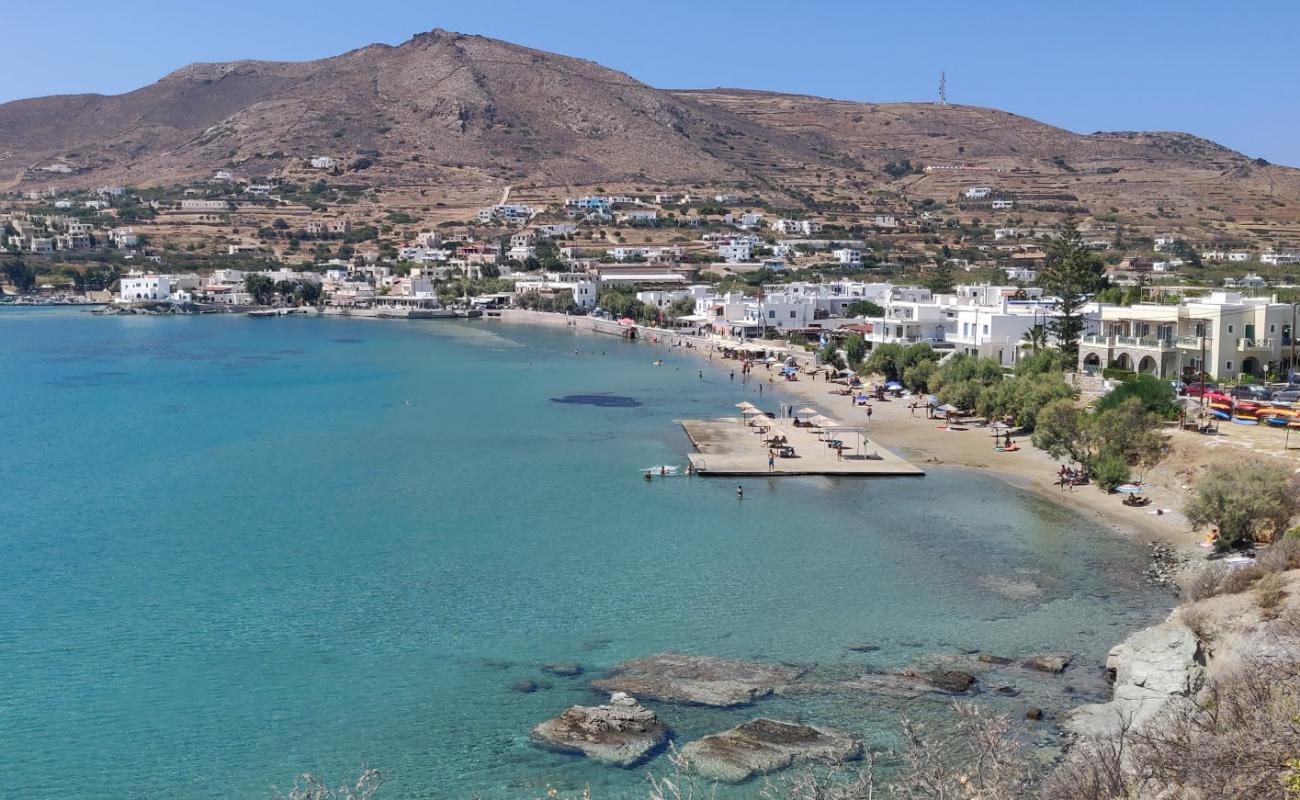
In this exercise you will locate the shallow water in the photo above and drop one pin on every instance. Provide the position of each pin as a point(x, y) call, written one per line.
point(237, 549)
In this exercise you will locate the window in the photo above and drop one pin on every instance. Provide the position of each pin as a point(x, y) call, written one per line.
point(771, 315)
point(792, 315)
point(1272, 327)
point(1229, 331)
point(1228, 364)
point(986, 330)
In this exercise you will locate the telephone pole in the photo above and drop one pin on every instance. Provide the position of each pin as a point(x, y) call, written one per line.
point(943, 86)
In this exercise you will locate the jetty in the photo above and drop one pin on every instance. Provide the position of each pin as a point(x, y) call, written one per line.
point(731, 446)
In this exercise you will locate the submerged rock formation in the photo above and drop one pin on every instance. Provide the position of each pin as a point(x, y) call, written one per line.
point(622, 732)
point(1150, 667)
point(763, 745)
point(697, 680)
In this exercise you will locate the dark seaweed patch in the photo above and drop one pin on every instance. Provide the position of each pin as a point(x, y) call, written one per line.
point(602, 400)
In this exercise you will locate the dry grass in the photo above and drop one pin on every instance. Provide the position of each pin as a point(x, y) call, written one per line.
point(1238, 740)
point(1217, 579)
point(1269, 593)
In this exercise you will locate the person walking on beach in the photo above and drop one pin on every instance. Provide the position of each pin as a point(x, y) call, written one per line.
point(771, 461)
point(868, 413)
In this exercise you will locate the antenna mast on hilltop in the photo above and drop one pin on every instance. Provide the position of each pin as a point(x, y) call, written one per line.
point(943, 85)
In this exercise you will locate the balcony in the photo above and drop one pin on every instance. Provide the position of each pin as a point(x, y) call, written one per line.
point(1143, 342)
point(1254, 344)
point(1100, 341)
point(1194, 342)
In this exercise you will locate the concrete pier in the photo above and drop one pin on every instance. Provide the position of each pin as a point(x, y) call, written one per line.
point(730, 446)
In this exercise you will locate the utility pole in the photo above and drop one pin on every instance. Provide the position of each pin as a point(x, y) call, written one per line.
point(943, 86)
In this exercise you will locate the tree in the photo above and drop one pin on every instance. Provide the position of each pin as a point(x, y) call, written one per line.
point(1072, 275)
point(864, 308)
point(1156, 395)
point(941, 280)
point(1035, 339)
point(1060, 431)
point(261, 287)
point(681, 307)
point(855, 349)
point(1245, 502)
point(20, 275)
point(886, 361)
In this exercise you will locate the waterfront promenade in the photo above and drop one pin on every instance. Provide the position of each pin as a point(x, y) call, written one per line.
point(730, 446)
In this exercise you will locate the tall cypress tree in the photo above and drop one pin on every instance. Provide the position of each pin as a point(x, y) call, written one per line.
point(1073, 274)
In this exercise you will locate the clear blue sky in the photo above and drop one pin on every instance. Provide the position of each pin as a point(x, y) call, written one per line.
point(1226, 71)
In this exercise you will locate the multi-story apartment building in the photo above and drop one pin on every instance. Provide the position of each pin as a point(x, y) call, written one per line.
point(1223, 334)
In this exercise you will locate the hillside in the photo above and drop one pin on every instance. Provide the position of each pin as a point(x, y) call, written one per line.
point(465, 116)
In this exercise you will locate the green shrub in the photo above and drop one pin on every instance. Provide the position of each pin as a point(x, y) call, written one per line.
point(1118, 374)
point(1110, 471)
point(1156, 395)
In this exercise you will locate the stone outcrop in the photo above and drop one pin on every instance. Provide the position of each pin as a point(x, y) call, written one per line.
point(622, 733)
point(697, 680)
point(1054, 663)
point(761, 746)
point(912, 683)
point(1150, 667)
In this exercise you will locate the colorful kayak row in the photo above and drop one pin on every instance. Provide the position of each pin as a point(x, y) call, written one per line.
point(1249, 412)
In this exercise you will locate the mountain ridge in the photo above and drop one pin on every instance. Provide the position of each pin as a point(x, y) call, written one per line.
point(464, 113)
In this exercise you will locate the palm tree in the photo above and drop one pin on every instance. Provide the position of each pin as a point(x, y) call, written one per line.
point(1035, 338)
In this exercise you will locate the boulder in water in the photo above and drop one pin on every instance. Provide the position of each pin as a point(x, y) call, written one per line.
point(564, 669)
point(621, 733)
point(1054, 663)
point(761, 746)
point(697, 680)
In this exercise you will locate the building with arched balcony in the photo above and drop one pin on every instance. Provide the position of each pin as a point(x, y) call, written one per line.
point(1222, 334)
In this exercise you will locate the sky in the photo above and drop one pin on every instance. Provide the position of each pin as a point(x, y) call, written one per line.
point(1225, 71)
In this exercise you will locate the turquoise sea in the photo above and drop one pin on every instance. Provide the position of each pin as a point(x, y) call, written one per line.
point(234, 550)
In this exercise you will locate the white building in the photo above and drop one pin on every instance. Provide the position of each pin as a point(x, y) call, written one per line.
point(582, 286)
point(796, 227)
point(848, 256)
point(1223, 333)
point(736, 251)
point(144, 286)
point(323, 162)
point(194, 204)
point(1280, 258)
point(1003, 205)
point(977, 193)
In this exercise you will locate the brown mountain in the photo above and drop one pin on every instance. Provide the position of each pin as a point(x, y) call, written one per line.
point(468, 114)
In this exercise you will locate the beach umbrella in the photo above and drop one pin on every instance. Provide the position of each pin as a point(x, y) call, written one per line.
point(893, 385)
point(744, 404)
point(948, 408)
point(806, 410)
point(1129, 488)
point(821, 421)
point(627, 321)
point(752, 410)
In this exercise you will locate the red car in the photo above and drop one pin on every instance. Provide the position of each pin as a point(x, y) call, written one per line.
point(1198, 389)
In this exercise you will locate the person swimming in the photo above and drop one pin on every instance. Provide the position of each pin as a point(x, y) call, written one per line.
point(647, 476)
point(740, 492)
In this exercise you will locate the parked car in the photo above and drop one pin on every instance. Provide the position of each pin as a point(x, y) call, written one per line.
point(1180, 388)
point(1257, 393)
point(1287, 395)
point(1201, 388)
